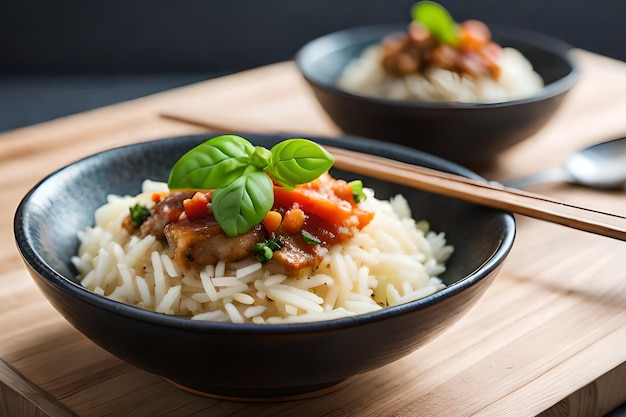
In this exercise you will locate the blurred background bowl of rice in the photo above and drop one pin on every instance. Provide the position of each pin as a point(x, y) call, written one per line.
point(471, 134)
point(251, 361)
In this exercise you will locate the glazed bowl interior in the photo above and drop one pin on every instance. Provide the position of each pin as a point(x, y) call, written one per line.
point(471, 134)
point(201, 356)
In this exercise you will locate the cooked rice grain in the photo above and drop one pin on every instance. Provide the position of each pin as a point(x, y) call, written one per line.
point(366, 76)
point(391, 261)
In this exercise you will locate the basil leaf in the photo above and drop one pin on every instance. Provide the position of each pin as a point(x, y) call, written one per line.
point(244, 202)
point(242, 175)
point(260, 157)
point(298, 161)
point(437, 20)
point(212, 164)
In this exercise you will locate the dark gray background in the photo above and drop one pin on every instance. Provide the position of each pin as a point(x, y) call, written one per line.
point(61, 57)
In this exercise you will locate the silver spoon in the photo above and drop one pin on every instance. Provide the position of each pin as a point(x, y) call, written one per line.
point(599, 166)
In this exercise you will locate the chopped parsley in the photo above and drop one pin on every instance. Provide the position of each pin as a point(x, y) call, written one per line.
point(264, 251)
point(138, 215)
point(357, 190)
point(309, 238)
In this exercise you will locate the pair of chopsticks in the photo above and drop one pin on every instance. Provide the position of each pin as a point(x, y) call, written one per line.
point(484, 193)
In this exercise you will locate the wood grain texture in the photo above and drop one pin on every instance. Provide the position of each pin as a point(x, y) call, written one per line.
point(546, 338)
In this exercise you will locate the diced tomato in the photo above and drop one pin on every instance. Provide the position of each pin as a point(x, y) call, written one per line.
point(157, 196)
point(491, 54)
point(272, 221)
point(294, 220)
point(197, 206)
point(475, 34)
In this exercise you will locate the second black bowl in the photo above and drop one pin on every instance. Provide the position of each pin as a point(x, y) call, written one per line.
point(470, 134)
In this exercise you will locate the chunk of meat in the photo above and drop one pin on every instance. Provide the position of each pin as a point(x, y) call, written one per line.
point(296, 257)
point(165, 211)
point(416, 50)
point(203, 242)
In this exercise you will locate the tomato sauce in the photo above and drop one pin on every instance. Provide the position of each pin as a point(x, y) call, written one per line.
point(332, 214)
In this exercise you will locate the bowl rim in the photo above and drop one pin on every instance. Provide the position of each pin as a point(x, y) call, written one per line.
point(334, 41)
point(37, 264)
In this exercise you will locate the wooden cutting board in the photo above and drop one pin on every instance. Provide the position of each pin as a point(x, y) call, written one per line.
point(547, 338)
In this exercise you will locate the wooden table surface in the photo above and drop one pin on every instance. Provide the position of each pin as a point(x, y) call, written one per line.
point(548, 338)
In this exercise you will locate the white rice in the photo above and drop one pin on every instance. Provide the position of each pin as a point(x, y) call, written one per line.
point(366, 76)
point(390, 261)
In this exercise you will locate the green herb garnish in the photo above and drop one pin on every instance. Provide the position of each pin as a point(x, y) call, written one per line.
point(241, 175)
point(138, 215)
point(357, 190)
point(309, 238)
point(264, 251)
point(437, 20)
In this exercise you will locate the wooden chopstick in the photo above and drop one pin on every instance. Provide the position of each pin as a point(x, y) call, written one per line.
point(484, 193)
point(488, 194)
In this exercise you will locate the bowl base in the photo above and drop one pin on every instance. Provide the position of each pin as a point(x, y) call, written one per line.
point(263, 395)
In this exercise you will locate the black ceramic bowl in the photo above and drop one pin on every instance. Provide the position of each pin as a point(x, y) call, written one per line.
point(250, 361)
point(469, 134)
